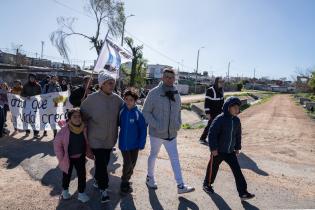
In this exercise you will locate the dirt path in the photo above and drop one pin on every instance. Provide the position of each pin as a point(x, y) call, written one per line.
point(201, 97)
point(278, 161)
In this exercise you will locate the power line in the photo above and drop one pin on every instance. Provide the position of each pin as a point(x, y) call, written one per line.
point(157, 51)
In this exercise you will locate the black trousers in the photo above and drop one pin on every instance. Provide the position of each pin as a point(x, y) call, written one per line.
point(205, 132)
point(35, 132)
point(130, 160)
point(54, 130)
point(232, 161)
point(5, 110)
point(102, 157)
point(79, 164)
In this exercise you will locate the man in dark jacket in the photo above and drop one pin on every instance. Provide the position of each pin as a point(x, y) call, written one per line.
point(31, 88)
point(77, 95)
point(213, 105)
point(65, 86)
point(44, 82)
point(225, 136)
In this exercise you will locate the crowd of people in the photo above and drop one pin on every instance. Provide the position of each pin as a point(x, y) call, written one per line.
point(32, 87)
point(101, 117)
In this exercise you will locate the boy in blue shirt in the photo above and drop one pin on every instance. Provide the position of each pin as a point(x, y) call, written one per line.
point(132, 137)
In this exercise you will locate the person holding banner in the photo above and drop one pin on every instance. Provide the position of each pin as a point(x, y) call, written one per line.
point(71, 146)
point(162, 111)
point(51, 87)
point(4, 90)
point(31, 88)
point(78, 94)
point(101, 112)
point(17, 90)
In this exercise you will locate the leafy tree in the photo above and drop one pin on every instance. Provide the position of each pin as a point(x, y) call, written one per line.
point(239, 86)
point(311, 82)
point(138, 64)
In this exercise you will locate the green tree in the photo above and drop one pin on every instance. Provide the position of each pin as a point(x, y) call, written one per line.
point(311, 82)
point(239, 86)
point(138, 64)
point(108, 13)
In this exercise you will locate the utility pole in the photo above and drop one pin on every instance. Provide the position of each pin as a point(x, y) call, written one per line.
point(123, 29)
point(211, 73)
point(42, 53)
point(254, 77)
point(83, 65)
point(197, 68)
point(228, 73)
point(182, 64)
point(17, 54)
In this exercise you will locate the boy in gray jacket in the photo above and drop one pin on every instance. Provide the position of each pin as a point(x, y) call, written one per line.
point(162, 111)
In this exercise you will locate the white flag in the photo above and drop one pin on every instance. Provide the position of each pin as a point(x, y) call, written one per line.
point(111, 57)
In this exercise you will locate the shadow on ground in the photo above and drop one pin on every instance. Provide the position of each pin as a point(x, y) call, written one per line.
point(248, 163)
point(17, 150)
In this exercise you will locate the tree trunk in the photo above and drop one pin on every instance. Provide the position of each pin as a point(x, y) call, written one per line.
point(133, 71)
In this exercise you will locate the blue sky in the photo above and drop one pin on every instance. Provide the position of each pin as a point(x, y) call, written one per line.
point(276, 37)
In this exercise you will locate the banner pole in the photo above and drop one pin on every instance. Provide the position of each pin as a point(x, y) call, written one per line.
point(88, 84)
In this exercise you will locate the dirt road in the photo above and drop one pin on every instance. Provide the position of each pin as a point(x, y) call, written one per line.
point(278, 161)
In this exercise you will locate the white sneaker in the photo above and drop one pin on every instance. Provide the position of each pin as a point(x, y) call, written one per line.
point(83, 197)
point(182, 188)
point(65, 195)
point(151, 183)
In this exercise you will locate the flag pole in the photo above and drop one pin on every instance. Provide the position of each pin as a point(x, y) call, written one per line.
point(91, 77)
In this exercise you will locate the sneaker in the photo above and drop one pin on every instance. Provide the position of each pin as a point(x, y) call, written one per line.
point(151, 183)
point(182, 188)
point(247, 196)
point(203, 141)
point(65, 195)
point(36, 136)
point(83, 197)
point(95, 184)
point(45, 133)
point(208, 189)
point(104, 196)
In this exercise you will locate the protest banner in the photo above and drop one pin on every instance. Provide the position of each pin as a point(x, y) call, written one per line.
point(40, 112)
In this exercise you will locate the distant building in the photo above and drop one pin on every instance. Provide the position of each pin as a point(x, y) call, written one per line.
point(155, 74)
point(155, 71)
point(57, 65)
point(41, 62)
point(302, 83)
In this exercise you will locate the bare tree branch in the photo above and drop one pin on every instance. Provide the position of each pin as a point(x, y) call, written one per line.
point(108, 13)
